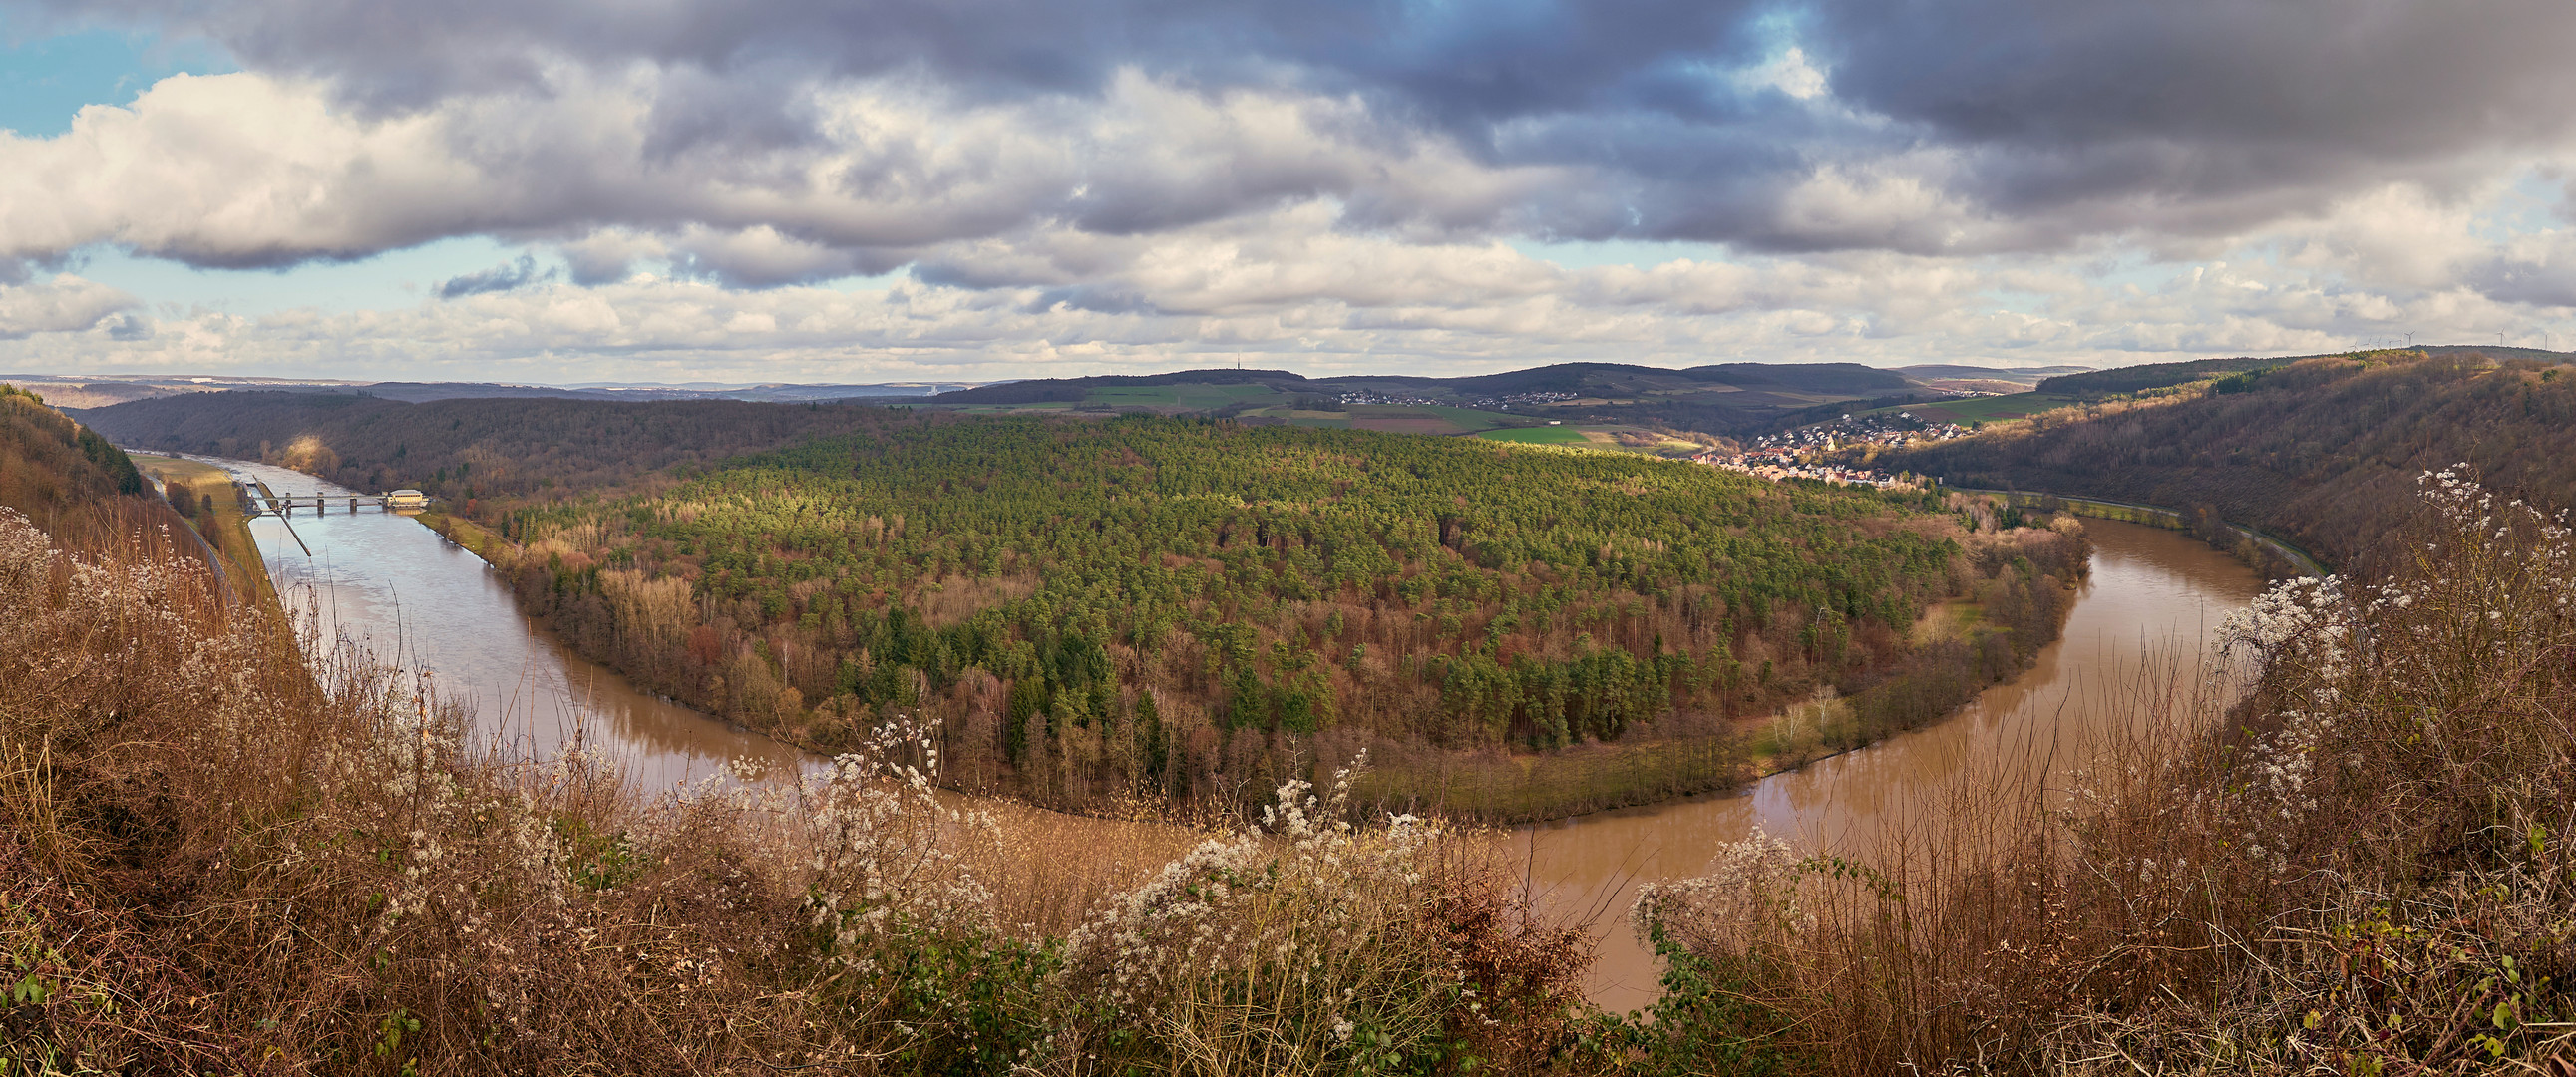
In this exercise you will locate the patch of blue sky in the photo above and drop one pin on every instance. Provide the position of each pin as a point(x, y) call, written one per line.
point(394, 279)
point(46, 79)
point(877, 283)
point(2536, 202)
point(400, 278)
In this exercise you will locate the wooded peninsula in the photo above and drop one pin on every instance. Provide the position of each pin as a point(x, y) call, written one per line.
point(1093, 608)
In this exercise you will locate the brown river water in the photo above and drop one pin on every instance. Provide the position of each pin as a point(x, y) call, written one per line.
point(394, 586)
point(389, 584)
point(2153, 600)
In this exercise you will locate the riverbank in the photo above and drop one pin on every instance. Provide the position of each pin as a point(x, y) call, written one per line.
point(2269, 554)
point(216, 513)
point(1955, 653)
point(1956, 659)
point(2151, 597)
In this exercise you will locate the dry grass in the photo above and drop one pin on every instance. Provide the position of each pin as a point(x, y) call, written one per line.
point(220, 855)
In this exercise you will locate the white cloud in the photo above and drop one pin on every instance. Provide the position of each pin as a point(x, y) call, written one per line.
point(1158, 219)
point(63, 305)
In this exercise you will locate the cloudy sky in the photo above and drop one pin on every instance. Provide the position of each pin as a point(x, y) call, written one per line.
point(882, 190)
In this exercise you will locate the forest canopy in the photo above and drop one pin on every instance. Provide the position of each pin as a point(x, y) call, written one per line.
point(1172, 602)
point(1180, 604)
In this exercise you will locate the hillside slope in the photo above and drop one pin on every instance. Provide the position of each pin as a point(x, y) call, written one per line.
point(68, 479)
point(2325, 451)
point(472, 448)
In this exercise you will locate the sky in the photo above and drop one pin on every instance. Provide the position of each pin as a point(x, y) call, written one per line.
point(887, 190)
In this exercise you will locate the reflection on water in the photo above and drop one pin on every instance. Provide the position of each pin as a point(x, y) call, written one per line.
point(397, 588)
point(2154, 595)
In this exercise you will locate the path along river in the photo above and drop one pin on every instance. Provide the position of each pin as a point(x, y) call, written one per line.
point(388, 582)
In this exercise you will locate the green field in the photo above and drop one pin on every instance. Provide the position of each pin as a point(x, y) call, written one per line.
point(1537, 435)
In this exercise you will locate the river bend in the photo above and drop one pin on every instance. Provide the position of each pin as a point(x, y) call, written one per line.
point(390, 584)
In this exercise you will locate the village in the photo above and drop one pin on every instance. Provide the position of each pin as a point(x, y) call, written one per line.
point(1794, 454)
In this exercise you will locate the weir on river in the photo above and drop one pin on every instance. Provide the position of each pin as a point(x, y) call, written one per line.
point(388, 582)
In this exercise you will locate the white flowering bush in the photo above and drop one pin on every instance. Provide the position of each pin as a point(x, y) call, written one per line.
point(1746, 899)
point(1303, 947)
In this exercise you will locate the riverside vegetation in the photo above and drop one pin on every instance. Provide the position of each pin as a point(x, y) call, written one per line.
point(1194, 610)
point(219, 856)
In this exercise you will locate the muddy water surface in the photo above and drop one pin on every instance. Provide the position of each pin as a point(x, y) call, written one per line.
point(398, 588)
point(2153, 595)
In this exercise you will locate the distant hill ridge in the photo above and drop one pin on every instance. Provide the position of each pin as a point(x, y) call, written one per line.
point(1850, 378)
point(2130, 379)
point(2325, 450)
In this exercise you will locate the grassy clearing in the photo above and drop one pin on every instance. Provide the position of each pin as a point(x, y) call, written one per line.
point(1472, 419)
point(1954, 620)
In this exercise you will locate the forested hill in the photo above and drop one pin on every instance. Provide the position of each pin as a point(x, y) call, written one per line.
point(1194, 606)
point(2325, 451)
point(1098, 604)
point(1718, 399)
point(67, 479)
point(477, 448)
point(2101, 384)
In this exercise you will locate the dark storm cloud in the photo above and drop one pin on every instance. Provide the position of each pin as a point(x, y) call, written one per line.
point(2081, 99)
point(2529, 283)
point(1486, 60)
point(1952, 126)
point(499, 278)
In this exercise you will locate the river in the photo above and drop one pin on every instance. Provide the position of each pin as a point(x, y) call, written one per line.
point(400, 589)
point(387, 582)
point(2153, 598)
